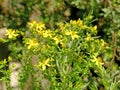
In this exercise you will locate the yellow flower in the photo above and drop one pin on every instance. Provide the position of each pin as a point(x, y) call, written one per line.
point(47, 33)
point(57, 39)
point(32, 23)
point(88, 38)
point(73, 34)
point(98, 60)
point(72, 22)
point(103, 43)
point(40, 26)
point(94, 29)
point(44, 64)
point(4, 61)
point(63, 45)
point(36, 26)
point(40, 32)
point(11, 33)
point(79, 22)
point(32, 43)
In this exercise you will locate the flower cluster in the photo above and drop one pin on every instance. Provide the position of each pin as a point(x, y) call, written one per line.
point(63, 54)
point(36, 26)
point(64, 37)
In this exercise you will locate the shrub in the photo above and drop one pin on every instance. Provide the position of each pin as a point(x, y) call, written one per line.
point(68, 57)
point(59, 53)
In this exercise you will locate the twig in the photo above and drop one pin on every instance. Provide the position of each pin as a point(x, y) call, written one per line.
point(114, 39)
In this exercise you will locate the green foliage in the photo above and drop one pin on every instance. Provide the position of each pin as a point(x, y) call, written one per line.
point(67, 57)
point(4, 71)
point(57, 49)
